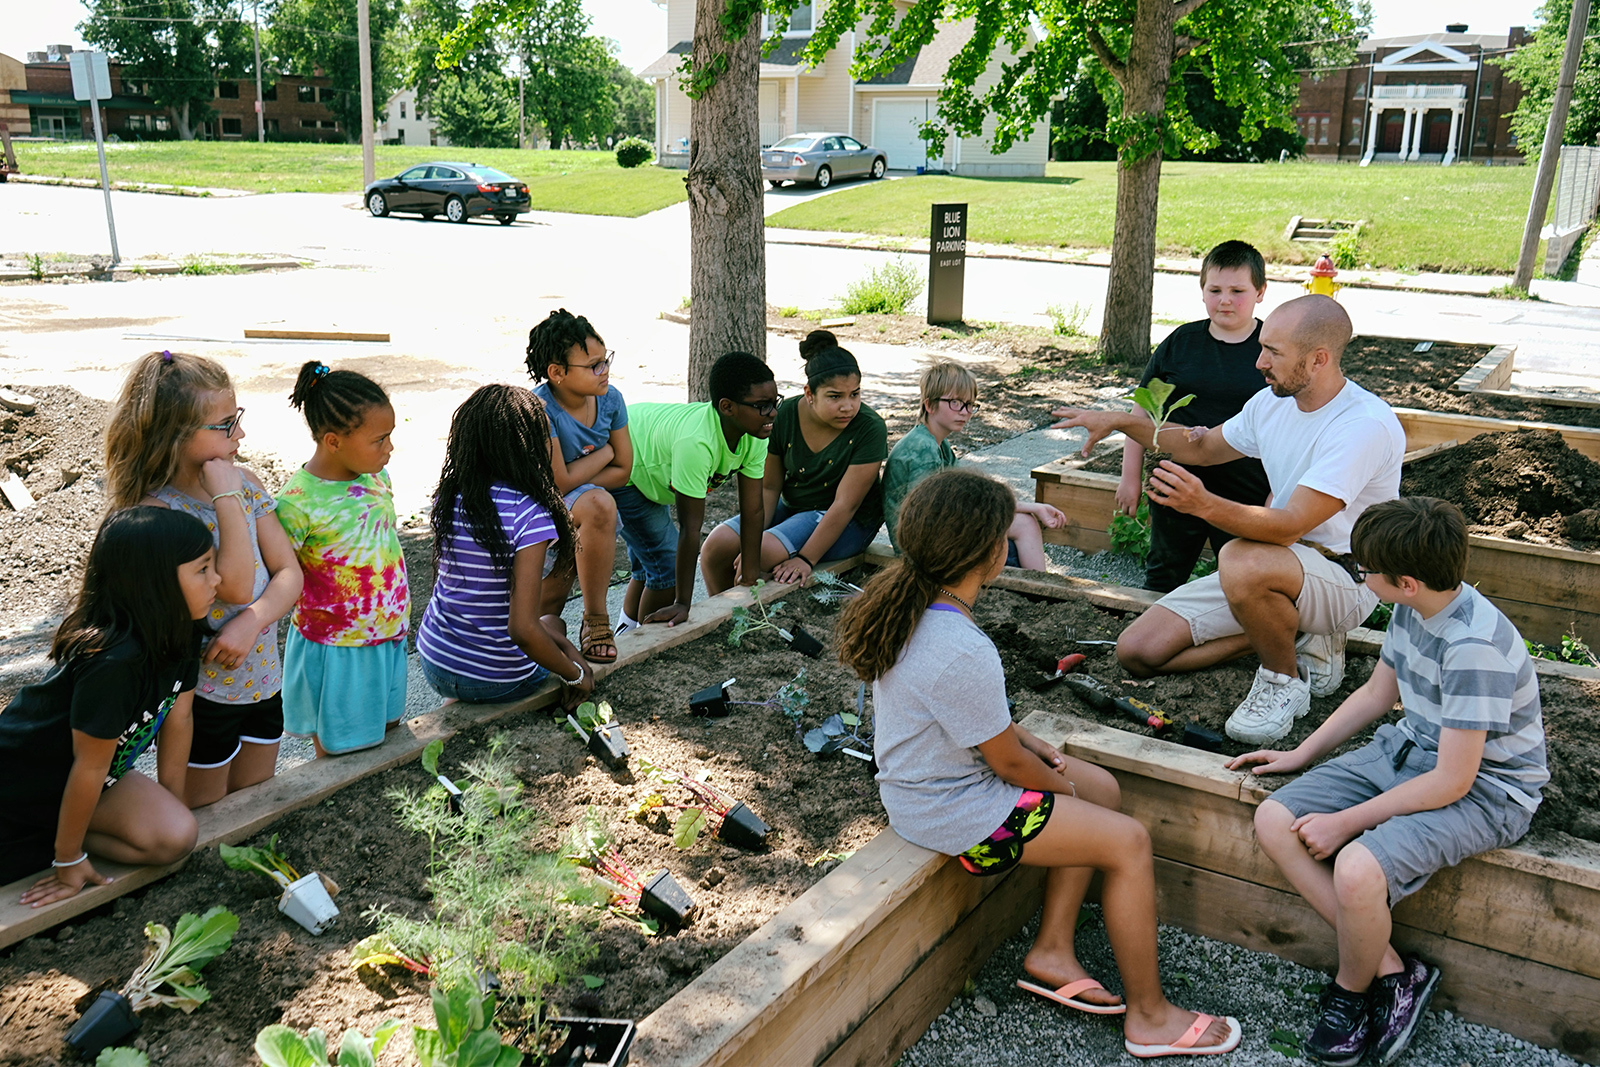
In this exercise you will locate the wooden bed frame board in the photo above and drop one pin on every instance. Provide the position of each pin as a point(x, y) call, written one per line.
point(240, 815)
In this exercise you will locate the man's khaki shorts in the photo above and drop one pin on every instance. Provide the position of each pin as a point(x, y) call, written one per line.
point(1330, 601)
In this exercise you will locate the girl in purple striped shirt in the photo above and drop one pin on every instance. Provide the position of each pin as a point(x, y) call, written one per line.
point(499, 526)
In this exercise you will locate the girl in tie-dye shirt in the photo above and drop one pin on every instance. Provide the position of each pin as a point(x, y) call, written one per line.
point(344, 666)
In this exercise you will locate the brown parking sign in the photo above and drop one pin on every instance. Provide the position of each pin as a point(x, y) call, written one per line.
point(947, 262)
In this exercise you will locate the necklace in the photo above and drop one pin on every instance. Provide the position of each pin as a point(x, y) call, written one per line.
point(957, 599)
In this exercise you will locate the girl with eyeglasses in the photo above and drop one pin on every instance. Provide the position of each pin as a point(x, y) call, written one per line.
point(949, 400)
point(821, 494)
point(173, 442)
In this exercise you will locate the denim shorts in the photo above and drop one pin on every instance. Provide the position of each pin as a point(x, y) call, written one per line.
point(794, 528)
point(1411, 847)
point(449, 684)
point(651, 536)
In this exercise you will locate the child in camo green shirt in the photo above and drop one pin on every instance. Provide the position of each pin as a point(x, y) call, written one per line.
point(949, 399)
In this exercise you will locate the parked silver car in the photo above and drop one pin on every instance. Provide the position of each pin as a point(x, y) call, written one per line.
point(821, 158)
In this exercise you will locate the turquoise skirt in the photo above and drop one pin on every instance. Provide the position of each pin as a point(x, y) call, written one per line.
point(345, 695)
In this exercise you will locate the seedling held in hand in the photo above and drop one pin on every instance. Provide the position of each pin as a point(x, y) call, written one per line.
point(1152, 400)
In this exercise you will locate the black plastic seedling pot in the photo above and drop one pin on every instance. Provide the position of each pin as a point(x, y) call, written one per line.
point(609, 746)
point(805, 644)
point(453, 793)
point(1199, 737)
point(711, 701)
point(668, 901)
point(109, 1019)
point(594, 1043)
point(743, 828)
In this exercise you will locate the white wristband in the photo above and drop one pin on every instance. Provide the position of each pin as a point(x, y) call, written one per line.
point(74, 863)
point(581, 671)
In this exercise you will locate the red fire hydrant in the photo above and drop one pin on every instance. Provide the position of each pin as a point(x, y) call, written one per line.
point(1322, 275)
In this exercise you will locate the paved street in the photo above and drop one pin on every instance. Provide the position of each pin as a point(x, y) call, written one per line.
point(458, 301)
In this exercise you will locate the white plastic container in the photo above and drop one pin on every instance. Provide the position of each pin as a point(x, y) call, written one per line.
point(307, 902)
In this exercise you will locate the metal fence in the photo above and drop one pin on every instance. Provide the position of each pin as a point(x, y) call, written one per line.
point(1576, 197)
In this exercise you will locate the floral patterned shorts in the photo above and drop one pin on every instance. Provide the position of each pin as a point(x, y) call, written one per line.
point(1002, 850)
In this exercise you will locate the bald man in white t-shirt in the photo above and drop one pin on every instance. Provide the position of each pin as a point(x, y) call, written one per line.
point(1331, 449)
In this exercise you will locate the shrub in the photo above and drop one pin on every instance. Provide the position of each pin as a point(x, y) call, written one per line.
point(634, 151)
point(1345, 249)
point(888, 289)
point(1067, 320)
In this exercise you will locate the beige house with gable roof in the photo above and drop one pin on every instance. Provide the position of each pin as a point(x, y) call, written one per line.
point(885, 112)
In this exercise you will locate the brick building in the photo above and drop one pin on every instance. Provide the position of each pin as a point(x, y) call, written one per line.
point(1433, 98)
point(43, 105)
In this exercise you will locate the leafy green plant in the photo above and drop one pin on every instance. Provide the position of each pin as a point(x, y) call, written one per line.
point(173, 960)
point(1572, 649)
point(1153, 400)
point(279, 1046)
point(789, 311)
point(268, 861)
point(592, 716)
point(1130, 534)
point(377, 951)
point(121, 1057)
point(829, 588)
point(196, 265)
point(887, 289)
point(466, 1036)
point(35, 266)
point(1066, 320)
point(707, 801)
point(632, 151)
point(1285, 1043)
point(1379, 619)
point(755, 618)
point(1345, 249)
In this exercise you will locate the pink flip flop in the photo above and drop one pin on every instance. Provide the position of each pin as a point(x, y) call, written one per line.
point(1185, 1045)
point(1067, 994)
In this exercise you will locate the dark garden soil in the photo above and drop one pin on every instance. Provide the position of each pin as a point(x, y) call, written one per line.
point(818, 807)
point(1522, 484)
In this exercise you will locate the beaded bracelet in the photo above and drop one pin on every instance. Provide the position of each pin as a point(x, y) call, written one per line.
point(74, 863)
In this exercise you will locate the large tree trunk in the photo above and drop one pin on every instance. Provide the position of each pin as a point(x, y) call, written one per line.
point(1125, 331)
point(180, 119)
point(728, 253)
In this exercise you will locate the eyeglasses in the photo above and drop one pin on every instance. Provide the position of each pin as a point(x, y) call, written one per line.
point(599, 366)
point(762, 407)
point(227, 426)
point(1363, 573)
point(959, 406)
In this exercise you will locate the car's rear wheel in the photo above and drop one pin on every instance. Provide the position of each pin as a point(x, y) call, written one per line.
point(506, 220)
point(824, 177)
point(455, 210)
point(878, 167)
point(775, 183)
point(378, 204)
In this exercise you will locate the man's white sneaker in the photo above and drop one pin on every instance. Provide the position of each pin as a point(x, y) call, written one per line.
point(1268, 713)
point(1323, 657)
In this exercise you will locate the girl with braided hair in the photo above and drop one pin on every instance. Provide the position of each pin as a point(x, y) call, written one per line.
point(956, 775)
point(499, 529)
point(345, 662)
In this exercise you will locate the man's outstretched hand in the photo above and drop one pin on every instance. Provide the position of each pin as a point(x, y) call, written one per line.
point(1100, 424)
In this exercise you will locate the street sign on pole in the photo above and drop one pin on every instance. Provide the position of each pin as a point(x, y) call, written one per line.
point(947, 262)
point(91, 81)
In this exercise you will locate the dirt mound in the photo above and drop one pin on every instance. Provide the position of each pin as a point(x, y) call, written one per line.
point(1517, 482)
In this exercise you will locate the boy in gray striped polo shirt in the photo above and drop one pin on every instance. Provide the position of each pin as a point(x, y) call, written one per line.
point(1461, 773)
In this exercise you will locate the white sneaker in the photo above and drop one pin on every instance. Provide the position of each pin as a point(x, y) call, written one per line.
point(1322, 655)
point(1268, 713)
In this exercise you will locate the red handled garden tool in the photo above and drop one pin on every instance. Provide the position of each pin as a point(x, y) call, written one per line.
point(1095, 693)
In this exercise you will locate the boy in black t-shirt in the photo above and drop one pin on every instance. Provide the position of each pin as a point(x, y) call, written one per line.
point(1215, 359)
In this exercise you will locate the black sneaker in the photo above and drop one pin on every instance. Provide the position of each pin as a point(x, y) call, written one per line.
point(1398, 1001)
point(1344, 1031)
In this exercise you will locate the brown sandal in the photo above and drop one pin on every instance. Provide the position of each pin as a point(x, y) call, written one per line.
point(594, 633)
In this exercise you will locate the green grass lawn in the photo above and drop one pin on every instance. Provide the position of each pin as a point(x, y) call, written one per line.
point(1464, 219)
point(588, 183)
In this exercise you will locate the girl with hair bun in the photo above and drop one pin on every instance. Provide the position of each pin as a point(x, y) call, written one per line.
point(173, 442)
point(345, 660)
point(126, 659)
point(821, 492)
point(956, 775)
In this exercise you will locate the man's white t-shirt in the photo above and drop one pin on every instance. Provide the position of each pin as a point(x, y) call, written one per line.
point(1350, 448)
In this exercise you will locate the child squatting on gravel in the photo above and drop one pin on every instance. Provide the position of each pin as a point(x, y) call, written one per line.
point(1461, 774)
point(957, 776)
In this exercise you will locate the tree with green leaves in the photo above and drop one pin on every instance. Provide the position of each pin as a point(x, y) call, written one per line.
point(635, 101)
point(310, 36)
point(1141, 51)
point(176, 49)
point(476, 109)
point(1536, 67)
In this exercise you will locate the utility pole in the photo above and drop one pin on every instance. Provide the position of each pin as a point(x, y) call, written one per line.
point(1550, 153)
point(364, 32)
point(261, 110)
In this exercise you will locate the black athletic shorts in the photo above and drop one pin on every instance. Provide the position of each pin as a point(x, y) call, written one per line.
point(220, 728)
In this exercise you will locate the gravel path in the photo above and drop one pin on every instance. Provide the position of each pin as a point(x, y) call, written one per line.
point(993, 1022)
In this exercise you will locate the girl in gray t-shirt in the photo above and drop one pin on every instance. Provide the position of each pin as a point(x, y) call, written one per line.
point(958, 776)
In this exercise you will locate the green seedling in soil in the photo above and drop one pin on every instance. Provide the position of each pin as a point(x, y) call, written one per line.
point(746, 622)
point(279, 1046)
point(377, 951)
point(268, 861)
point(173, 960)
point(121, 1057)
point(498, 906)
point(824, 857)
point(591, 981)
point(831, 589)
point(693, 818)
point(837, 731)
point(791, 699)
point(466, 1036)
point(589, 845)
point(35, 266)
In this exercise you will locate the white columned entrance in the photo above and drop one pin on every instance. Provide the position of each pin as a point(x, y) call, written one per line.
point(1417, 114)
point(1455, 131)
point(1405, 133)
point(1374, 123)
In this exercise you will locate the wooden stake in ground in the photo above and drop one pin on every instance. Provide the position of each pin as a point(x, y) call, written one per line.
point(1549, 153)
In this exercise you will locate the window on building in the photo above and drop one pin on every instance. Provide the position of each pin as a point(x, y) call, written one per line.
point(269, 92)
point(305, 94)
point(402, 110)
point(232, 127)
point(1355, 132)
point(272, 125)
point(1482, 135)
point(309, 124)
point(402, 132)
point(1511, 139)
point(1361, 91)
point(324, 95)
point(799, 20)
point(228, 90)
point(137, 122)
point(1486, 89)
point(161, 122)
point(1322, 137)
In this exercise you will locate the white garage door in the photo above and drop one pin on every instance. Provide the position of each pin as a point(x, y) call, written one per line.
point(894, 129)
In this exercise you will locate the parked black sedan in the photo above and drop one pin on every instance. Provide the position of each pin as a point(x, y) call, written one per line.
point(458, 191)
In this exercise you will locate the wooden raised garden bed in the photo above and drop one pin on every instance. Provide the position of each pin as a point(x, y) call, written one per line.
point(1545, 590)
